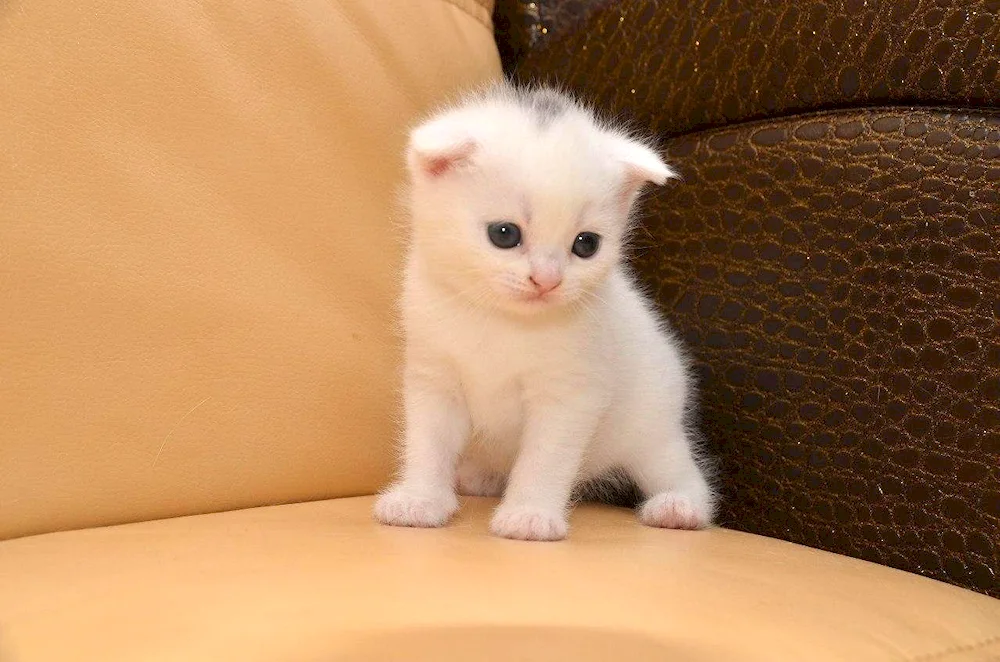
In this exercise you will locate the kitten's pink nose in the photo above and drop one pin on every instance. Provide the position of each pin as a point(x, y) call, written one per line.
point(545, 280)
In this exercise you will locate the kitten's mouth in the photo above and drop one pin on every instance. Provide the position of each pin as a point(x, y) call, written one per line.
point(535, 300)
point(538, 297)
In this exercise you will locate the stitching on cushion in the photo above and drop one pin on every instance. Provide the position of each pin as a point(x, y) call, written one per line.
point(476, 9)
point(965, 648)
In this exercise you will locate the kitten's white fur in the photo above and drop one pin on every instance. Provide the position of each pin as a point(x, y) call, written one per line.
point(510, 392)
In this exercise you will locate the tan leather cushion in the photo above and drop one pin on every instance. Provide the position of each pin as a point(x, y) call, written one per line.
point(321, 582)
point(196, 255)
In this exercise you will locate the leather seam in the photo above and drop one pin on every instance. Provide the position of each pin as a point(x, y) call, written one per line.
point(474, 9)
point(820, 113)
point(963, 648)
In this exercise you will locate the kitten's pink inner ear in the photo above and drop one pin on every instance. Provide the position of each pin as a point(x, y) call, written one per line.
point(434, 152)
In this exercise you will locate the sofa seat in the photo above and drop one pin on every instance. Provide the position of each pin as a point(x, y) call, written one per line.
point(321, 581)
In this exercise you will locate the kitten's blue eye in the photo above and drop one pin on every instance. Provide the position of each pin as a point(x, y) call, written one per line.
point(586, 244)
point(504, 234)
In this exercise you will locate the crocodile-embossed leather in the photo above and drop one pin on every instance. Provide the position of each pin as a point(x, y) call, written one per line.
point(688, 64)
point(517, 26)
point(837, 278)
point(522, 25)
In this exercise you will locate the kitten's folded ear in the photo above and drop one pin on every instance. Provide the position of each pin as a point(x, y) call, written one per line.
point(643, 165)
point(438, 146)
point(640, 164)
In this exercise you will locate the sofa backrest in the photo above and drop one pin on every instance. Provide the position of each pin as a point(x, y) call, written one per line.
point(197, 251)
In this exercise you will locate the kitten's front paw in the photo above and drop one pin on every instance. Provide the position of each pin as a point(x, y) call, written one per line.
point(673, 510)
point(527, 523)
point(399, 507)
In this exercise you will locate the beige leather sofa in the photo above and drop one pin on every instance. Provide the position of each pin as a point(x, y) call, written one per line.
point(198, 257)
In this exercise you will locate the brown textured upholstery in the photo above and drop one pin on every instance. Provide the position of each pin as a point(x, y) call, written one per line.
point(835, 274)
point(516, 26)
point(838, 277)
point(699, 63)
point(523, 25)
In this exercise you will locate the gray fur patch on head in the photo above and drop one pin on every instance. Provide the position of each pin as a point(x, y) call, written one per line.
point(547, 105)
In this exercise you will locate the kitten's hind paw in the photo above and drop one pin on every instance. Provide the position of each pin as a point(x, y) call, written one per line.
point(399, 507)
point(673, 510)
point(527, 523)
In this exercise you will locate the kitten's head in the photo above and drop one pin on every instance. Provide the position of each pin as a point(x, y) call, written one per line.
point(520, 199)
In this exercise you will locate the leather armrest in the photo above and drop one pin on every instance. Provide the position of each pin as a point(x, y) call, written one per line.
point(681, 66)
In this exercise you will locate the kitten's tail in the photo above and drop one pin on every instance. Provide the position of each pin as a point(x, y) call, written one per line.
point(615, 488)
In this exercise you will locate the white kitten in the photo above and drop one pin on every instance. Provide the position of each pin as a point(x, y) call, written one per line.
point(533, 364)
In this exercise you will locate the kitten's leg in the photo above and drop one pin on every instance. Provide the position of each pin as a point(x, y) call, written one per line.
point(476, 478)
point(536, 501)
point(437, 427)
point(677, 494)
